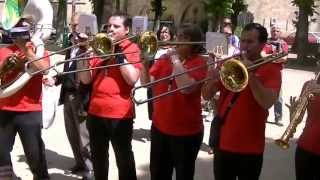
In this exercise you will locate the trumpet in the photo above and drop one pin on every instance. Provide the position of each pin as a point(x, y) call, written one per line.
point(233, 75)
point(296, 117)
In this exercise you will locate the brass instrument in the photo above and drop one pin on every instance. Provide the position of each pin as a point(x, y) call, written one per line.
point(11, 64)
point(233, 75)
point(104, 47)
point(296, 117)
point(41, 15)
point(149, 43)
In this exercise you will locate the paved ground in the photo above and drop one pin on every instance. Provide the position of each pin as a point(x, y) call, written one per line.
point(278, 164)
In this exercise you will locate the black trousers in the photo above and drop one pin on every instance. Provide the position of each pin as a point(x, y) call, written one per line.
point(150, 103)
point(230, 166)
point(119, 132)
point(28, 125)
point(307, 165)
point(173, 152)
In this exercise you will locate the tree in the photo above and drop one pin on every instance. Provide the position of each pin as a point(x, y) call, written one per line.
point(216, 10)
point(158, 11)
point(238, 6)
point(306, 10)
point(102, 9)
point(61, 22)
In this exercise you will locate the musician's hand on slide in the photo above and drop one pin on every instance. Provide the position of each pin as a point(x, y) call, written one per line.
point(145, 59)
point(213, 73)
point(83, 41)
point(49, 81)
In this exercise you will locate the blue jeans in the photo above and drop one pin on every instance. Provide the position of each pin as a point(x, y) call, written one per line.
point(278, 108)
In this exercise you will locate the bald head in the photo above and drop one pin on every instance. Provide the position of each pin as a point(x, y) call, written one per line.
point(74, 22)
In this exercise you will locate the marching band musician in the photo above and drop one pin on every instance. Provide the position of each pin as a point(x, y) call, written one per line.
point(111, 110)
point(177, 128)
point(165, 33)
point(21, 112)
point(240, 124)
point(307, 157)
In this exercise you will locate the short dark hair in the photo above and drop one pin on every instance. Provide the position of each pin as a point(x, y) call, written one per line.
point(171, 30)
point(263, 33)
point(194, 33)
point(124, 16)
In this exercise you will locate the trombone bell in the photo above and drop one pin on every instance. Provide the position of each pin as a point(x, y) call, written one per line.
point(102, 44)
point(234, 75)
point(148, 43)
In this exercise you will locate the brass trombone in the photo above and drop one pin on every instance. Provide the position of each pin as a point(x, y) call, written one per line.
point(101, 44)
point(104, 46)
point(233, 75)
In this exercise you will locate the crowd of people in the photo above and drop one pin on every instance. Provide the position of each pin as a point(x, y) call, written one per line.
point(238, 128)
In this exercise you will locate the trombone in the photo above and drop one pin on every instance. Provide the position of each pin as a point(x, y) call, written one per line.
point(102, 44)
point(233, 75)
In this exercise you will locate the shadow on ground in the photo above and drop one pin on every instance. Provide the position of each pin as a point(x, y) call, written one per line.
point(308, 64)
point(278, 164)
point(56, 161)
point(142, 135)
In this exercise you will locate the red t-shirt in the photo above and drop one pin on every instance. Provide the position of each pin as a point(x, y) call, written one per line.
point(271, 48)
point(110, 93)
point(177, 114)
point(28, 98)
point(244, 128)
point(310, 137)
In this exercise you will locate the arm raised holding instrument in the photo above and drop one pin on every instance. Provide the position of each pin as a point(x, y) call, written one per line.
point(239, 125)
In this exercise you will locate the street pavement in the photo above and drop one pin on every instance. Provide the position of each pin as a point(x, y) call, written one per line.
point(278, 163)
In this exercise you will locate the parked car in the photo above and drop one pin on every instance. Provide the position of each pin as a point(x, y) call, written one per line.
point(313, 42)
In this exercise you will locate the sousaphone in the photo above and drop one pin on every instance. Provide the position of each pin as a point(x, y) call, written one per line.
point(40, 13)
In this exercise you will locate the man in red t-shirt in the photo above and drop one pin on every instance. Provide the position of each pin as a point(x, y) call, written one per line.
point(177, 128)
point(21, 112)
point(111, 110)
point(307, 158)
point(276, 45)
point(241, 116)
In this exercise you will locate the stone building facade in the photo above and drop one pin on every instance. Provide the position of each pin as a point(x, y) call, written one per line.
point(179, 11)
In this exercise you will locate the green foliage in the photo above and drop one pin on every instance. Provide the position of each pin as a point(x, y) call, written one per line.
point(239, 5)
point(238, 31)
point(218, 7)
point(309, 6)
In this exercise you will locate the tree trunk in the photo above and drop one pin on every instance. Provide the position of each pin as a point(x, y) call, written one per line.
point(61, 22)
point(301, 39)
point(216, 23)
point(125, 6)
point(157, 14)
point(118, 5)
point(102, 9)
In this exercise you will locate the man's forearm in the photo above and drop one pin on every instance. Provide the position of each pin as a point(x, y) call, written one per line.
point(130, 74)
point(209, 89)
point(183, 79)
point(86, 76)
point(265, 97)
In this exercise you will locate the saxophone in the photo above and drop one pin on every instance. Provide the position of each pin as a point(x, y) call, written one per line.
point(296, 117)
